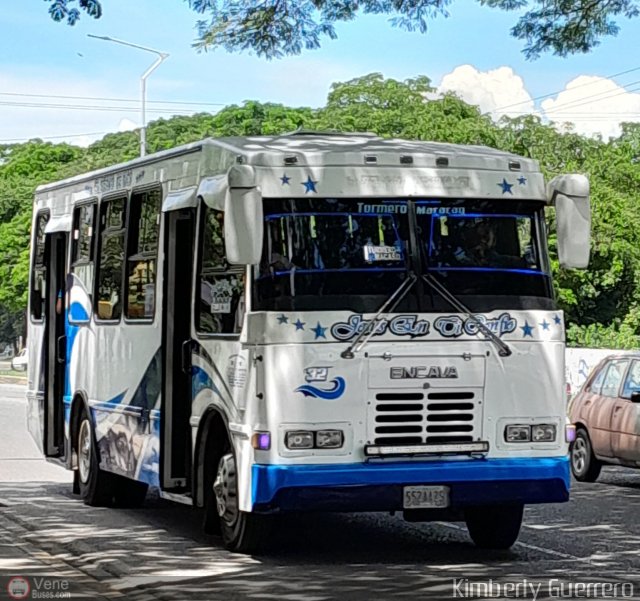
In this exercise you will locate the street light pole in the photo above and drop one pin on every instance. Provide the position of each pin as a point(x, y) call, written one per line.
point(143, 82)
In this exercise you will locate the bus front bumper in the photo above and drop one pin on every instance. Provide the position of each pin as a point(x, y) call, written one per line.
point(379, 486)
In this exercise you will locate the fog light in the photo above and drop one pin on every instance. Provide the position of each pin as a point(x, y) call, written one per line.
point(543, 433)
point(517, 433)
point(569, 433)
point(299, 439)
point(329, 439)
point(261, 441)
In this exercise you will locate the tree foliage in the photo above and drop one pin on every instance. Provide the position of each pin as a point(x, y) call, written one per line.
point(602, 303)
point(275, 28)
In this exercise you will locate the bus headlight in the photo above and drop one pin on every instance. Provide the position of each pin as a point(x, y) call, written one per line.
point(517, 433)
point(329, 439)
point(299, 439)
point(543, 433)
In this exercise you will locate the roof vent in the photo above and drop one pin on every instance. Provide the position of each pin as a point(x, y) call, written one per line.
point(514, 165)
point(290, 160)
point(405, 159)
point(370, 159)
point(442, 162)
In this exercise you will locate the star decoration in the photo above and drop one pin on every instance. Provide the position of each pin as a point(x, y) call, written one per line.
point(283, 319)
point(557, 320)
point(285, 179)
point(299, 324)
point(527, 330)
point(522, 180)
point(319, 331)
point(545, 324)
point(506, 186)
point(309, 185)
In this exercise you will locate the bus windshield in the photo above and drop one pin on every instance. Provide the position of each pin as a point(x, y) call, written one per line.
point(327, 254)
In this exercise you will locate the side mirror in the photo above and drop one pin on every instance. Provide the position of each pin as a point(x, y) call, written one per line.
point(570, 195)
point(635, 396)
point(243, 217)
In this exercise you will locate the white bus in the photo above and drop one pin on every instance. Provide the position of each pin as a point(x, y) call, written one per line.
point(307, 322)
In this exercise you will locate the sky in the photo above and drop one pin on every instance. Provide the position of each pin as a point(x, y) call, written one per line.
point(52, 75)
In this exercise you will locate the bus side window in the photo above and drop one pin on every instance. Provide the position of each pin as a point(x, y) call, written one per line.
point(82, 247)
point(220, 293)
point(110, 259)
point(142, 254)
point(39, 268)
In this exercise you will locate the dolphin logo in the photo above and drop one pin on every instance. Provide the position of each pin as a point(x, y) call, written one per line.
point(337, 390)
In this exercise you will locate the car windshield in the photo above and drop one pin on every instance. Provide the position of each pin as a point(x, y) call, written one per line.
point(349, 254)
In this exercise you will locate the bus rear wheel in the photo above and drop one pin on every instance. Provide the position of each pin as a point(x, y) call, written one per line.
point(494, 527)
point(95, 485)
point(242, 531)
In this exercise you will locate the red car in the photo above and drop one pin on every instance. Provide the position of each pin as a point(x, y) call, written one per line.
point(606, 413)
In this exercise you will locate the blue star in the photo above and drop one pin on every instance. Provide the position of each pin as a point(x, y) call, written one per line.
point(285, 179)
point(557, 320)
point(319, 331)
point(545, 324)
point(506, 186)
point(522, 180)
point(299, 324)
point(527, 330)
point(310, 185)
point(283, 319)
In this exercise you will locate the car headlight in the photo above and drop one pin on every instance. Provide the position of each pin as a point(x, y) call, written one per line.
point(517, 433)
point(543, 433)
point(329, 439)
point(299, 439)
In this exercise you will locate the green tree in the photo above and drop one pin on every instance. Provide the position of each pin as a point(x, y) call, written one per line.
point(274, 28)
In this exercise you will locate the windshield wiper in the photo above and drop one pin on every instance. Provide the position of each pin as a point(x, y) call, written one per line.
point(503, 348)
point(389, 305)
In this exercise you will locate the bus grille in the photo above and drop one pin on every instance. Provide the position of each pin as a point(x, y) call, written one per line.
point(408, 417)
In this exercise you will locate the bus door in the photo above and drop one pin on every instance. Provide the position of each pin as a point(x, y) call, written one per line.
point(55, 344)
point(175, 448)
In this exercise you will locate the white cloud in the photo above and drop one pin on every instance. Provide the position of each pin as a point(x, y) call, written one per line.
point(498, 88)
point(590, 105)
point(594, 105)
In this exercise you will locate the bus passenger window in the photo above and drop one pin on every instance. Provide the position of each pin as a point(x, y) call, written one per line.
point(39, 268)
point(81, 252)
point(111, 259)
point(220, 307)
point(142, 254)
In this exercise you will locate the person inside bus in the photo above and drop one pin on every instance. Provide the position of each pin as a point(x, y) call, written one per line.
point(478, 248)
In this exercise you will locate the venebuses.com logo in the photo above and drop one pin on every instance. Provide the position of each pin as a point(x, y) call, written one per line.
point(18, 588)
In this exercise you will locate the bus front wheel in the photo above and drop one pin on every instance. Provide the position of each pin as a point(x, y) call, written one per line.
point(494, 527)
point(241, 531)
point(96, 486)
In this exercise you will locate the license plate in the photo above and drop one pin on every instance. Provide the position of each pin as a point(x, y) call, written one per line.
point(425, 497)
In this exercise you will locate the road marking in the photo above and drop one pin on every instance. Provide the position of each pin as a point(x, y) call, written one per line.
point(533, 547)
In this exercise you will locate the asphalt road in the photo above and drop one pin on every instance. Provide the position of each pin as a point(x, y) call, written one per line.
point(159, 552)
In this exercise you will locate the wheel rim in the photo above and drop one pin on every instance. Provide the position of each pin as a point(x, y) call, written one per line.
point(579, 455)
point(225, 489)
point(84, 451)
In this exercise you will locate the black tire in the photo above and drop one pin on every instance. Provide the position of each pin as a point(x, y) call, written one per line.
point(97, 487)
point(585, 466)
point(241, 531)
point(494, 526)
point(129, 493)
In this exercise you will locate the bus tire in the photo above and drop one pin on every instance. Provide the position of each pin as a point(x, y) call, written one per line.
point(129, 493)
point(242, 532)
point(585, 466)
point(494, 526)
point(96, 486)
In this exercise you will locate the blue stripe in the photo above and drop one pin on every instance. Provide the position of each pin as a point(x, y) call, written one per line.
point(267, 480)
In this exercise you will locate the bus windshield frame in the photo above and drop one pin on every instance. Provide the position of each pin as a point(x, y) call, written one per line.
point(350, 254)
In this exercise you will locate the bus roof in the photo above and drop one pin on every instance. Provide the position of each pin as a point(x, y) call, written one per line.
point(322, 149)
